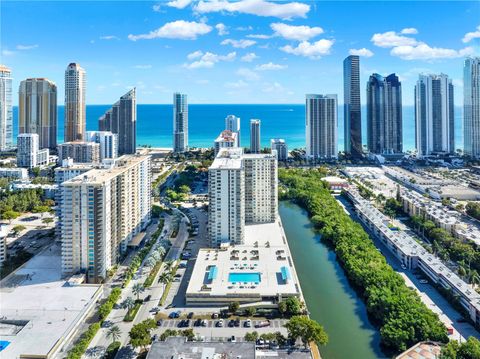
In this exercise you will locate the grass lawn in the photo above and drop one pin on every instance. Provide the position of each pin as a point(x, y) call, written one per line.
point(130, 316)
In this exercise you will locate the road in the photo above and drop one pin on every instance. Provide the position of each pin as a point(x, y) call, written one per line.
point(428, 294)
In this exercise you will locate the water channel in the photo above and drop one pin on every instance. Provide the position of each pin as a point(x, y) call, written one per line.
point(329, 297)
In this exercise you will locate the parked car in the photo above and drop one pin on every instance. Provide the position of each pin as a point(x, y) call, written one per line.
point(154, 310)
point(190, 315)
point(219, 324)
point(159, 323)
point(263, 324)
point(197, 323)
point(214, 315)
point(248, 323)
point(423, 281)
point(187, 322)
point(237, 322)
point(204, 323)
point(147, 298)
point(231, 323)
point(233, 339)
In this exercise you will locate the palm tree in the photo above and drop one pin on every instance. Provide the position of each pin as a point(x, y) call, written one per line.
point(461, 271)
point(168, 265)
point(474, 278)
point(137, 289)
point(114, 333)
point(164, 279)
point(128, 303)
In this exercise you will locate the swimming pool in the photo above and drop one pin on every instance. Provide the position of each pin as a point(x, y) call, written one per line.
point(3, 344)
point(244, 277)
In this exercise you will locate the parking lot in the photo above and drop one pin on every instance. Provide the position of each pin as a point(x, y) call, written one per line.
point(220, 323)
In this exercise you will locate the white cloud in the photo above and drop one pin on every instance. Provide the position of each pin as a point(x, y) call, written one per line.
point(259, 36)
point(285, 11)
point(109, 37)
point(222, 29)
point(270, 66)
point(244, 28)
point(157, 8)
point(392, 39)
point(312, 50)
point(26, 47)
point(180, 29)
point(209, 59)
point(249, 57)
point(7, 52)
point(195, 55)
point(142, 67)
point(179, 4)
point(241, 44)
point(409, 31)
point(248, 74)
point(236, 85)
point(425, 52)
point(361, 52)
point(299, 33)
point(469, 36)
point(276, 88)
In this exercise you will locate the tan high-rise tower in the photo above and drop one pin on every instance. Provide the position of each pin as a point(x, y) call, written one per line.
point(75, 118)
point(37, 110)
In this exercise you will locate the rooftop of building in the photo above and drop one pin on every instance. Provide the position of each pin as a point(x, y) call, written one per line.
point(79, 143)
point(228, 158)
point(227, 136)
point(422, 350)
point(38, 308)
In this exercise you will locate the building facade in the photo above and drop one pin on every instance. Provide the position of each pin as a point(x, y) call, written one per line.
point(352, 107)
point(384, 114)
point(180, 123)
point(6, 111)
point(434, 115)
point(121, 120)
point(108, 142)
point(471, 106)
point(232, 123)
point(102, 210)
point(224, 140)
point(37, 110)
point(29, 155)
point(75, 110)
point(280, 146)
point(321, 126)
point(79, 151)
point(255, 143)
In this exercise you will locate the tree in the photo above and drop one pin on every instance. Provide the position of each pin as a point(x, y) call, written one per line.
point(251, 337)
point(233, 307)
point(164, 279)
point(474, 278)
point(307, 330)
point(137, 289)
point(140, 333)
point(9, 215)
point(169, 265)
point(184, 189)
point(250, 311)
point(40, 209)
point(128, 303)
point(114, 333)
point(466, 350)
point(168, 333)
point(282, 307)
point(18, 228)
point(294, 306)
point(47, 220)
point(189, 334)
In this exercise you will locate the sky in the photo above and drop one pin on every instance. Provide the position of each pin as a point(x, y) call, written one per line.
point(245, 51)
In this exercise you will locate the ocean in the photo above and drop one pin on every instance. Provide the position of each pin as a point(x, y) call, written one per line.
point(155, 123)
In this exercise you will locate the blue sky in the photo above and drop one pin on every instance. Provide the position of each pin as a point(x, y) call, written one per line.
point(246, 51)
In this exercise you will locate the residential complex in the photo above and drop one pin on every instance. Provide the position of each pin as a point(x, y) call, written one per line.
point(12, 172)
point(6, 110)
point(107, 140)
point(224, 140)
point(352, 113)
point(75, 110)
point(102, 210)
point(3, 243)
point(384, 114)
point(121, 120)
point(434, 115)
point(280, 146)
point(232, 123)
point(471, 107)
point(79, 151)
point(321, 126)
point(29, 154)
point(180, 122)
point(255, 143)
point(37, 110)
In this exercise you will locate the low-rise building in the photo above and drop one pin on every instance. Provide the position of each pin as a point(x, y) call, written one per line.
point(336, 183)
point(79, 151)
point(49, 190)
point(14, 172)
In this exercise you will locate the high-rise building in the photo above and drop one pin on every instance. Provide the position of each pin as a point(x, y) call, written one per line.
point(255, 144)
point(471, 106)
point(180, 122)
point(121, 119)
point(351, 106)
point(102, 210)
point(384, 114)
point(107, 140)
point(321, 126)
point(280, 146)
point(232, 123)
point(29, 154)
point(434, 115)
point(242, 189)
point(6, 111)
point(225, 139)
point(37, 110)
point(75, 110)
point(79, 151)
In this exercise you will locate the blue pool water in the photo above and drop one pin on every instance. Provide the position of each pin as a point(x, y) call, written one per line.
point(3, 344)
point(244, 277)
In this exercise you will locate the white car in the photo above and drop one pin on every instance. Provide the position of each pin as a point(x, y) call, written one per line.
point(248, 323)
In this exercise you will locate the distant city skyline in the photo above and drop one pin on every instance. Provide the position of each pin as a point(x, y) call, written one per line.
point(287, 50)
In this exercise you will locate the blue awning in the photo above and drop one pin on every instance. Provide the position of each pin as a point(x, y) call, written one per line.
point(285, 273)
point(212, 273)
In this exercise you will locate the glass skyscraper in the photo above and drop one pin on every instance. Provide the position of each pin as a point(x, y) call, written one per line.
point(75, 110)
point(255, 146)
point(180, 122)
point(6, 112)
point(471, 106)
point(352, 109)
point(384, 114)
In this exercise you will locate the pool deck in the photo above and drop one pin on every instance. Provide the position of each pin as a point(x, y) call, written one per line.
point(265, 251)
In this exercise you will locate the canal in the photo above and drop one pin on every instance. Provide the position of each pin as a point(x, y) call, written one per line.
point(329, 297)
